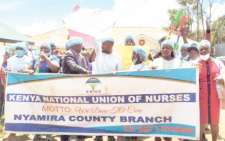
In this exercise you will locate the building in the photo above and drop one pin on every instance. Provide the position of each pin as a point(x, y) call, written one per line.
point(145, 36)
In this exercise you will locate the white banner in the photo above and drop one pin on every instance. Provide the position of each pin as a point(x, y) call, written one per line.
point(145, 103)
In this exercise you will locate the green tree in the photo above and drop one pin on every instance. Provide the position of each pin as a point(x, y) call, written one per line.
point(218, 30)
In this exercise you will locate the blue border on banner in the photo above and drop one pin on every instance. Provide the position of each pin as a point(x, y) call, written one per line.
point(184, 74)
point(155, 98)
point(163, 129)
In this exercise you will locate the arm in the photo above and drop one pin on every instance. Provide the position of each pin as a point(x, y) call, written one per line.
point(53, 65)
point(73, 65)
point(183, 35)
point(207, 35)
point(97, 49)
point(84, 63)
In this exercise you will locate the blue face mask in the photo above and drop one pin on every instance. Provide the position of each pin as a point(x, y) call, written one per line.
point(134, 61)
point(19, 53)
point(186, 57)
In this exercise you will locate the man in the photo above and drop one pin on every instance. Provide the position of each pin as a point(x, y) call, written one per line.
point(74, 63)
point(86, 55)
point(106, 60)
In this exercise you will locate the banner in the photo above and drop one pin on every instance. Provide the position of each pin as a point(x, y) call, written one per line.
point(126, 53)
point(162, 103)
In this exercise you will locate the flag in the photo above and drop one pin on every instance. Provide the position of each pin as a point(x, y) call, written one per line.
point(89, 22)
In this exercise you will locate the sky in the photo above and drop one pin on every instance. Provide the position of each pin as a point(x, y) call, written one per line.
point(33, 17)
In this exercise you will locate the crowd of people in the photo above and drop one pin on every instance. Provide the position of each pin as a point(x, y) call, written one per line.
point(103, 59)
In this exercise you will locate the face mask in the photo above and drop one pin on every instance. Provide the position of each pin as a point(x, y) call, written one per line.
point(19, 53)
point(135, 60)
point(48, 54)
point(205, 57)
point(186, 57)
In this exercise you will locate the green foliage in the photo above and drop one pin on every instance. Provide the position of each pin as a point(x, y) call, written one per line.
point(218, 30)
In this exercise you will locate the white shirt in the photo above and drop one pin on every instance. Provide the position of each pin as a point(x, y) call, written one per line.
point(141, 66)
point(190, 63)
point(15, 64)
point(106, 62)
point(161, 63)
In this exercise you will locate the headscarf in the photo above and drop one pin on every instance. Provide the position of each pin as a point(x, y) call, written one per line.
point(75, 41)
point(141, 52)
point(168, 42)
point(130, 36)
point(205, 42)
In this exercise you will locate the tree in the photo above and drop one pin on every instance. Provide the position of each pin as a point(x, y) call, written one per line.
point(218, 30)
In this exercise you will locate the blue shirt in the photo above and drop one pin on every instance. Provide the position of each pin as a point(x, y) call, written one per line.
point(44, 68)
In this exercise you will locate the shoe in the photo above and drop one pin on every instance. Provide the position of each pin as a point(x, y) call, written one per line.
point(48, 137)
point(158, 139)
point(98, 138)
point(35, 137)
point(111, 138)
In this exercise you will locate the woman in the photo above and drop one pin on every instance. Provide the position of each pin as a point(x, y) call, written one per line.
point(209, 101)
point(49, 64)
point(167, 61)
point(184, 52)
point(193, 56)
point(129, 40)
point(18, 62)
point(139, 56)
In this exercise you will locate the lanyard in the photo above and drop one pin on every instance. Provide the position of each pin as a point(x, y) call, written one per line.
point(76, 57)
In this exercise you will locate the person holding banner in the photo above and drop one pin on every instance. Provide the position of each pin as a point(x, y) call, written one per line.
point(48, 64)
point(19, 62)
point(167, 61)
point(139, 56)
point(74, 63)
point(209, 101)
point(129, 40)
point(106, 60)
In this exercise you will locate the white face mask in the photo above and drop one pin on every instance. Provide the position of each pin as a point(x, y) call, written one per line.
point(205, 57)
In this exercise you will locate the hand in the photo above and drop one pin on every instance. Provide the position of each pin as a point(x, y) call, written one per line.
point(198, 65)
point(219, 80)
point(182, 31)
point(31, 72)
point(86, 72)
point(208, 25)
point(42, 55)
point(152, 68)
